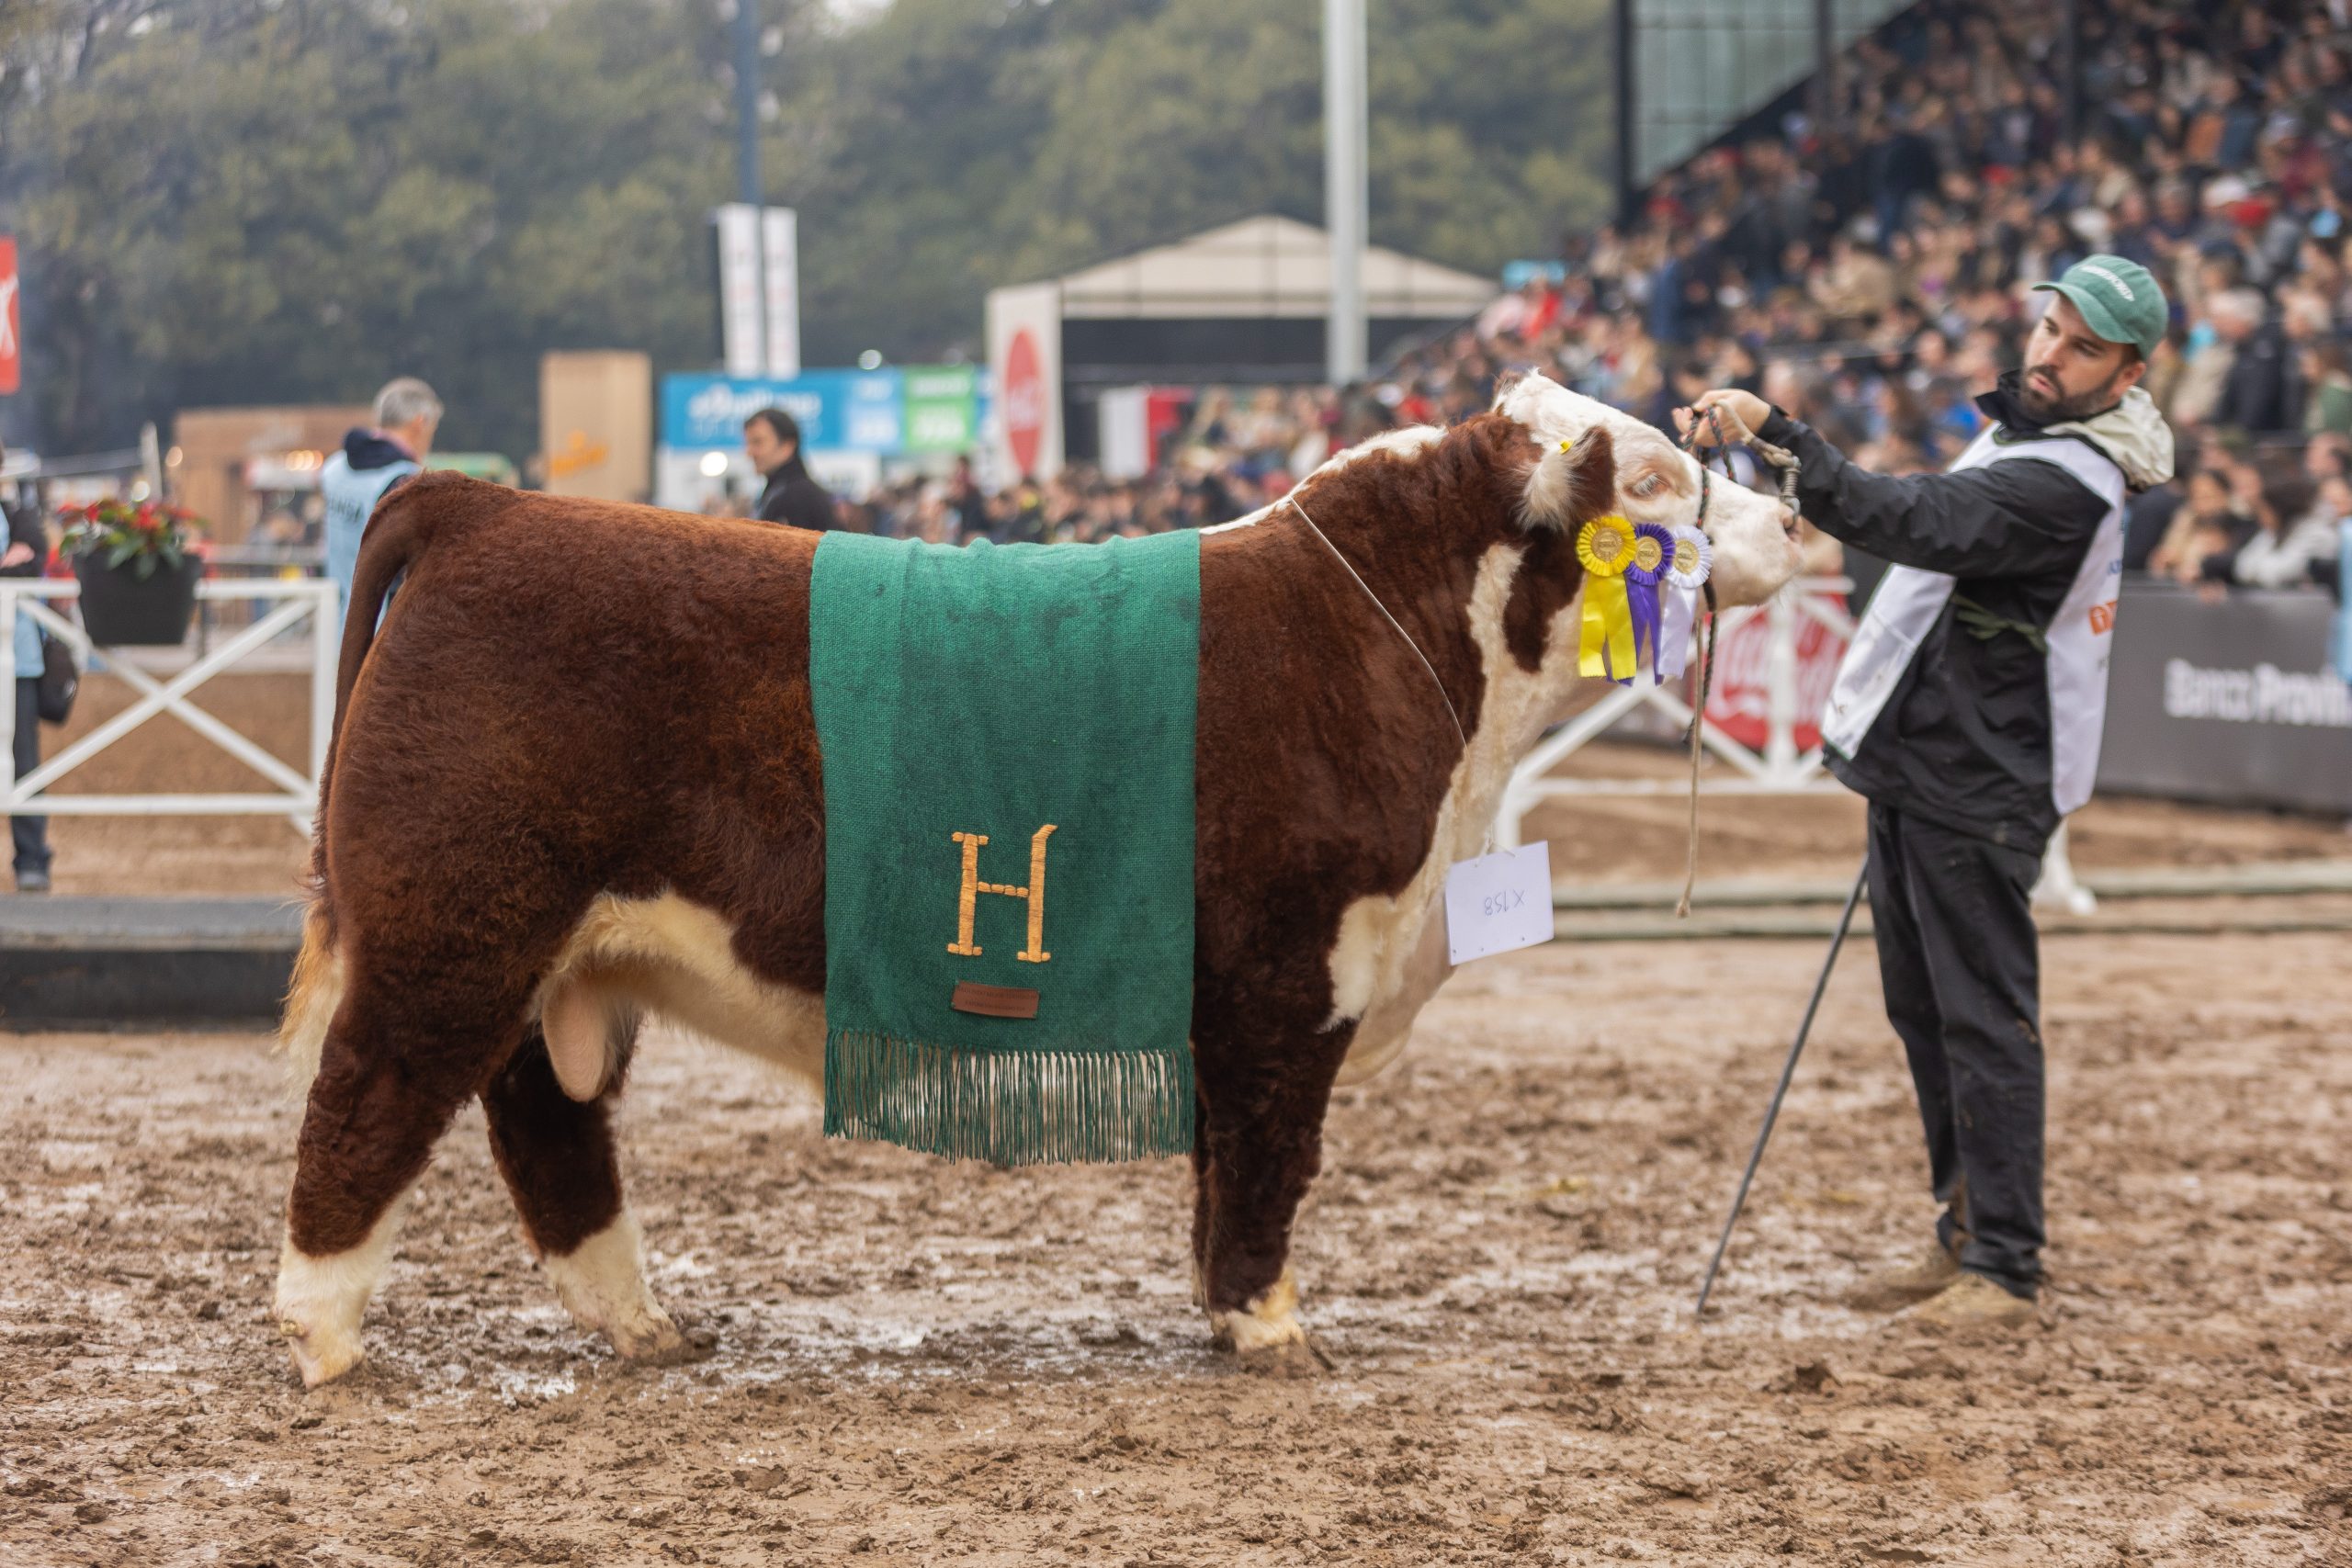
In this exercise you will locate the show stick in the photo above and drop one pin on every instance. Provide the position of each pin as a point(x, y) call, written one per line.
point(1773, 1111)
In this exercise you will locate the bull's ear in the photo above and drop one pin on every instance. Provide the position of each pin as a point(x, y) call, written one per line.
point(1573, 482)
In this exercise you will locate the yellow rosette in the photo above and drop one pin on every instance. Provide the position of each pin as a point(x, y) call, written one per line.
point(1605, 547)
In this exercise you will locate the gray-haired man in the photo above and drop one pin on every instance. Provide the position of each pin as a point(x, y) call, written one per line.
point(372, 461)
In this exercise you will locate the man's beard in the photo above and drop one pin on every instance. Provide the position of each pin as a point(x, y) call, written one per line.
point(2048, 409)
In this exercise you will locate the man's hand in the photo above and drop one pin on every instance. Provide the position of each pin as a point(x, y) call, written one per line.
point(15, 554)
point(1744, 415)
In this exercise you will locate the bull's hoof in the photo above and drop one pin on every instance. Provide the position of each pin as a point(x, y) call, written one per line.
point(321, 1355)
point(648, 1337)
point(1265, 1334)
point(1284, 1359)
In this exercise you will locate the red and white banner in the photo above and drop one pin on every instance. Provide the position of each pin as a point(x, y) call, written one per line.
point(1025, 363)
point(1739, 698)
point(11, 352)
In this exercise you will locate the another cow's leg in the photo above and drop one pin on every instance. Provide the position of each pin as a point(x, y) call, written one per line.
point(1262, 1146)
point(387, 1086)
point(558, 1157)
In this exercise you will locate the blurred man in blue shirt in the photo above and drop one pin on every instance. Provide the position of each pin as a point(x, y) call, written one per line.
point(371, 462)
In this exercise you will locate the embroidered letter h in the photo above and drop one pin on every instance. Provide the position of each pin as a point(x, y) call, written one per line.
point(964, 946)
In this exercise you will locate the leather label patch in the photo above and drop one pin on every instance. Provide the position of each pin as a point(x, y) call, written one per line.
point(994, 1001)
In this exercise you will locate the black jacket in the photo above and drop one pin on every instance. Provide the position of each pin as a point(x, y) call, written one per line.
point(792, 497)
point(2263, 389)
point(1964, 739)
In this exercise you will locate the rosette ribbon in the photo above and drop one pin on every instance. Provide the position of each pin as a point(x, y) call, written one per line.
point(1653, 550)
point(1605, 547)
point(1688, 561)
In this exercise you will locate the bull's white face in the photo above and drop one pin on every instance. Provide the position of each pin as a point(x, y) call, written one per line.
point(1753, 536)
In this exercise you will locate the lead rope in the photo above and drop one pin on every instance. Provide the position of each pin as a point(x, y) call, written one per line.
point(1785, 461)
point(1706, 663)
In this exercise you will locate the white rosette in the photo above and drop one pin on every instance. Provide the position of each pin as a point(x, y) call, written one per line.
point(1686, 574)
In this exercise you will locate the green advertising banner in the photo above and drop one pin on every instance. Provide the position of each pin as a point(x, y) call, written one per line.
point(943, 408)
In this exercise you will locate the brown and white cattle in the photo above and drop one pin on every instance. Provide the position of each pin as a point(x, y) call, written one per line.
point(575, 781)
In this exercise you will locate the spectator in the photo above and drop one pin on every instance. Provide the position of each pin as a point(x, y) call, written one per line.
point(2327, 389)
point(2254, 393)
point(370, 462)
point(772, 440)
point(2216, 518)
point(2281, 555)
point(24, 552)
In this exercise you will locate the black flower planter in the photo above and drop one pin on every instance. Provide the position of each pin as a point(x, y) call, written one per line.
point(120, 608)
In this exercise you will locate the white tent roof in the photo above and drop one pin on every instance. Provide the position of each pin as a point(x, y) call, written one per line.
point(1264, 267)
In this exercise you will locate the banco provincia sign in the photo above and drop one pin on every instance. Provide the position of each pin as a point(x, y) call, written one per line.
point(2229, 701)
point(2264, 695)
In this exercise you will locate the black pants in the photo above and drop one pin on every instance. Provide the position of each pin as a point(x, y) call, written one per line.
point(31, 833)
point(1960, 962)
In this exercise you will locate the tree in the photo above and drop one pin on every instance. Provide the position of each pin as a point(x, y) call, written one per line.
point(224, 201)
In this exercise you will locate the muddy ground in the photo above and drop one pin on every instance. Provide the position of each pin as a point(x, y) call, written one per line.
point(918, 1362)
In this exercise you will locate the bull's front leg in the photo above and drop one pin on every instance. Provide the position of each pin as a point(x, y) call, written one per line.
point(1258, 1148)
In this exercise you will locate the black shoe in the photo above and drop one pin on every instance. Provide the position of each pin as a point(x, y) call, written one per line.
point(32, 882)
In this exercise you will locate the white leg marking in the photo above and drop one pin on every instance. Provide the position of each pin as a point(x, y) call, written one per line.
point(1266, 1324)
point(321, 1299)
point(602, 1284)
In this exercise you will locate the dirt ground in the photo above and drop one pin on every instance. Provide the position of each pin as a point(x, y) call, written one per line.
point(1619, 839)
point(913, 1362)
point(916, 1362)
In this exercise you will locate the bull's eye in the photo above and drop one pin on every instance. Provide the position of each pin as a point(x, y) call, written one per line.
point(1646, 486)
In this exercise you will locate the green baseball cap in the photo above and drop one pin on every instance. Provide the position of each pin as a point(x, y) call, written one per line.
point(2120, 300)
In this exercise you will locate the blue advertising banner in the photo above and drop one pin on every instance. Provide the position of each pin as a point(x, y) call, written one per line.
point(838, 410)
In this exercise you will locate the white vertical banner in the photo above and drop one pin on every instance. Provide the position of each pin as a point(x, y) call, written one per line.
point(742, 339)
point(780, 289)
point(1026, 364)
point(1123, 432)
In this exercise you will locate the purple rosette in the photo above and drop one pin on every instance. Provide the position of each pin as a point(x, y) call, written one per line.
point(1652, 555)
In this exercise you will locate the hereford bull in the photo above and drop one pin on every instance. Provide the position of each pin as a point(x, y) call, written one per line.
point(575, 781)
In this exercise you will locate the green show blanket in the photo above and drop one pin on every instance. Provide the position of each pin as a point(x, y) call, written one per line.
point(1007, 734)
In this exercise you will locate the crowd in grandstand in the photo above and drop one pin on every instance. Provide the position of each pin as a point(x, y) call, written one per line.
point(1867, 272)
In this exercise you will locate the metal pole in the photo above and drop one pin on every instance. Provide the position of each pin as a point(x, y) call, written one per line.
point(1824, 62)
point(1788, 1071)
point(1347, 196)
point(747, 103)
point(1621, 39)
point(2070, 29)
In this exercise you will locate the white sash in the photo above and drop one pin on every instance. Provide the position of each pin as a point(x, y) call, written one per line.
point(1908, 601)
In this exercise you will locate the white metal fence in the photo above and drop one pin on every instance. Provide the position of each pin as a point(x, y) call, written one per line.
point(1779, 769)
point(296, 796)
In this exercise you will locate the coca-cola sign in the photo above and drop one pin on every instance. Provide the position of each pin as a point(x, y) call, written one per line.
point(10, 358)
point(1025, 402)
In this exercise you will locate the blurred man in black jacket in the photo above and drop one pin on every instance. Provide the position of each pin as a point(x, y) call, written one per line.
point(772, 440)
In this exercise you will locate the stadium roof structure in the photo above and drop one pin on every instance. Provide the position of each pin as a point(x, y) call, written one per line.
point(1263, 267)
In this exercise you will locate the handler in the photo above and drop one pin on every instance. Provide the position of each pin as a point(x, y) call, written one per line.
point(1968, 711)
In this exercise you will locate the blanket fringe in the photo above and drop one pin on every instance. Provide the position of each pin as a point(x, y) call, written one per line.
point(1010, 1107)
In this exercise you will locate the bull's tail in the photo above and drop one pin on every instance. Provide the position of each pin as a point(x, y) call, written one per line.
point(397, 532)
point(402, 524)
point(312, 998)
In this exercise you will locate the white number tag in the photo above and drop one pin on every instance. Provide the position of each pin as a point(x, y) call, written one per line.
point(1498, 903)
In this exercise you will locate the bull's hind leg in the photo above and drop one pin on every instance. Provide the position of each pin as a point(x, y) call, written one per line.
point(558, 1160)
point(386, 1089)
point(1261, 1147)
